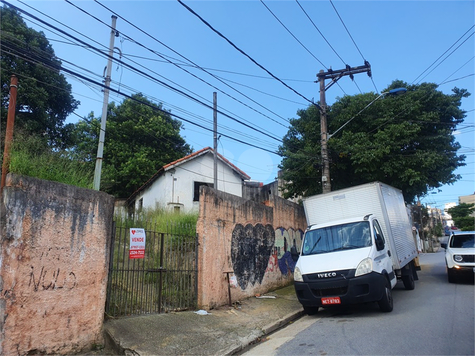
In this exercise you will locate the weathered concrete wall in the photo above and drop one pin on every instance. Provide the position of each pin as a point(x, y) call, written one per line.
point(250, 239)
point(53, 266)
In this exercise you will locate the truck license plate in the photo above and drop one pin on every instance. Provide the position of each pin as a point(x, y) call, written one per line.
point(331, 300)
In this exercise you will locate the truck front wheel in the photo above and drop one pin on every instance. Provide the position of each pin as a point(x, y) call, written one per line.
point(386, 302)
point(310, 310)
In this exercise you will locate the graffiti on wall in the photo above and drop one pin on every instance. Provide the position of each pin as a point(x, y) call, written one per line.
point(50, 276)
point(251, 248)
point(285, 239)
point(258, 249)
point(51, 280)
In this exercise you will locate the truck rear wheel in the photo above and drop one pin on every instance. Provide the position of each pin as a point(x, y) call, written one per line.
point(386, 302)
point(408, 279)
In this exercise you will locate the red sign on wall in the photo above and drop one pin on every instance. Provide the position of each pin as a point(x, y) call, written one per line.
point(137, 243)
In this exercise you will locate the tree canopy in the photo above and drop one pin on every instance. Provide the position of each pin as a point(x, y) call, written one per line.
point(405, 141)
point(462, 216)
point(44, 98)
point(139, 140)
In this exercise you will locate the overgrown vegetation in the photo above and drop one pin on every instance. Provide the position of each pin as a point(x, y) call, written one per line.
point(31, 156)
point(161, 220)
point(165, 279)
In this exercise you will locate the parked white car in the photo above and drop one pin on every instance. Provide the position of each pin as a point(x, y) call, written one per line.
point(460, 254)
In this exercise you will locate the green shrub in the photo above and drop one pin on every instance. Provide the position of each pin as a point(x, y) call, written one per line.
point(31, 156)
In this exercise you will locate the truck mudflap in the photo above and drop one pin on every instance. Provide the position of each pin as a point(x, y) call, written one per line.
point(340, 290)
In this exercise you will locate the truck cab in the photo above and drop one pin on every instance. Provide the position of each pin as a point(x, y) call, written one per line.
point(345, 262)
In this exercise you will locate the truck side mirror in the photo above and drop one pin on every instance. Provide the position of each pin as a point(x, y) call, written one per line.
point(294, 253)
point(443, 245)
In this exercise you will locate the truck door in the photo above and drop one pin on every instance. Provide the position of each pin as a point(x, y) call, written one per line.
point(382, 258)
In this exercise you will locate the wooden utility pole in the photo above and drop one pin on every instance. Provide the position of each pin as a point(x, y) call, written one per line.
point(9, 131)
point(334, 75)
point(102, 133)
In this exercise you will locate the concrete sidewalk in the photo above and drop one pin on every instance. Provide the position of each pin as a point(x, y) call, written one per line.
point(224, 331)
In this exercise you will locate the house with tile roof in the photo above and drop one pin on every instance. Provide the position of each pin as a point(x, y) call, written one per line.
point(176, 186)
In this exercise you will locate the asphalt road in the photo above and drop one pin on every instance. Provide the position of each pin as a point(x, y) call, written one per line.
point(436, 318)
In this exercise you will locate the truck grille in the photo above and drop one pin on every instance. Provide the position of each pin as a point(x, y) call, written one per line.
point(326, 292)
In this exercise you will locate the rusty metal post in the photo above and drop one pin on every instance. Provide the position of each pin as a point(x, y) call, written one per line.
point(9, 131)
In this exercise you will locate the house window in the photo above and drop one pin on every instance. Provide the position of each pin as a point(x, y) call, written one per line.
point(140, 207)
point(196, 192)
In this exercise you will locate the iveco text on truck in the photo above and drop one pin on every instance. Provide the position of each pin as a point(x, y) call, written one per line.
point(358, 242)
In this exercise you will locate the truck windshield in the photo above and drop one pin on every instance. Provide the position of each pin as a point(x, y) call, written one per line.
point(336, 238)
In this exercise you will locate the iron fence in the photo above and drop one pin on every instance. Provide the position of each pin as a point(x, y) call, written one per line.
point(164, 280)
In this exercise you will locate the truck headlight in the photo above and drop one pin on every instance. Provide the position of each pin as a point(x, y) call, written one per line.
point(365, 267)
point(297, 275)
point(458, 258)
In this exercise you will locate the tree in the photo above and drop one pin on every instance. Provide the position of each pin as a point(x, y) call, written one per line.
point(405, 141)
point(139, 140)
point(44, 97)
point(462, 215)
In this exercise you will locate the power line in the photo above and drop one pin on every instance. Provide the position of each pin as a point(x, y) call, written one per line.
point(60, 67)
point(354, 42)
point(454, 80)
point(347, 31)
point(244, 53)
point(143, 73)
point(295, 37)
point(447, 57)
point(197, 66)
point(290, 32)
point(320, 32)
point(442, 54)
point(13, 51)
point(44, 56)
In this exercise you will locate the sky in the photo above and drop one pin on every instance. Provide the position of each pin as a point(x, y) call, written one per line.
point(262, 59)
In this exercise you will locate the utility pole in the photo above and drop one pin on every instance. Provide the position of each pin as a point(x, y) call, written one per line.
point(334, 75)
point(215, 138)
point(105, 103)
point(9, 131)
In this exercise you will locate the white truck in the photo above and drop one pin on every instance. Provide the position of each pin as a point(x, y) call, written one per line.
point(358, 242)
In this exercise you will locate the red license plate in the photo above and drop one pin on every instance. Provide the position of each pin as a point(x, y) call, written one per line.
point(331, 300)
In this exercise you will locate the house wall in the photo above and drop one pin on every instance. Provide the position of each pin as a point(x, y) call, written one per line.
point(53, 266)
point(159, 191)
point(249, 240)
point(166, 190)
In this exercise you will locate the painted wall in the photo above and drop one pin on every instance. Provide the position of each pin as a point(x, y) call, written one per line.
point(53, 266)
point(177, 185)
point(248, 239)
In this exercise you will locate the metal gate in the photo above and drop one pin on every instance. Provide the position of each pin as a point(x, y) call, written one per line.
point(164, 280)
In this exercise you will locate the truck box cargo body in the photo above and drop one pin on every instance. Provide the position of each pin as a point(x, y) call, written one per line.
point(358, 242)
point(381, 200)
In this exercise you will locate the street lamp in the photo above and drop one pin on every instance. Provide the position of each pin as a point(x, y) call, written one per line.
point(325, 136)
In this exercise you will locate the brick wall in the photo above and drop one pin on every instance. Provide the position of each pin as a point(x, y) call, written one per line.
point(250, 239)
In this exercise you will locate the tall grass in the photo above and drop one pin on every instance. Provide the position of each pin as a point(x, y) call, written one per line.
point(30, 156)
point(136, 286)
point(162, 220)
